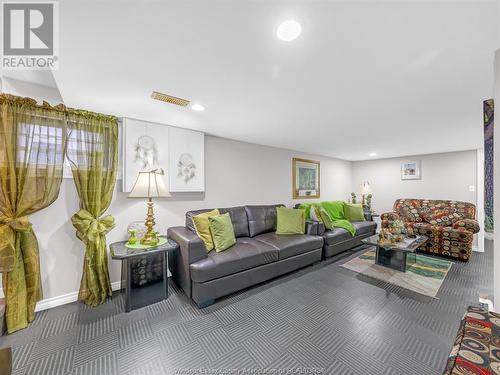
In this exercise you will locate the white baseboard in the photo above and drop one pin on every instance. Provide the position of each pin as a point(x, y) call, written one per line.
point(64, 299)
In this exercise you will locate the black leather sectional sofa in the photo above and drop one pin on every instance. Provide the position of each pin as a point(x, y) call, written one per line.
point(258, 255)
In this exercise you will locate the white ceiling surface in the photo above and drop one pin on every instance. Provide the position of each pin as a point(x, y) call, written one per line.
point(391, 77)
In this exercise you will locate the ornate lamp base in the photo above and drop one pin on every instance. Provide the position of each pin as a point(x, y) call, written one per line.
point(149, 236)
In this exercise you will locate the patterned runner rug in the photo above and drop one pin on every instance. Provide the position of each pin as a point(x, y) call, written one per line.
point(425, 276)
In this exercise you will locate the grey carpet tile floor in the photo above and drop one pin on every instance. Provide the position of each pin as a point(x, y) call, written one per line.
point(322, 317)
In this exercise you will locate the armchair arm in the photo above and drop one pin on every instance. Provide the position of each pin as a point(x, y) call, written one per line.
point(191, 250)
point(315, 228)
point(470, 224)
point(440, 232)
point(389, 216)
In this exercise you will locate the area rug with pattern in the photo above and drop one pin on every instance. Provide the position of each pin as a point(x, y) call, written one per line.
point(425, 276)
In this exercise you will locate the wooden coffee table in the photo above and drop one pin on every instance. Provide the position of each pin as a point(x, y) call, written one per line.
point(399, 255)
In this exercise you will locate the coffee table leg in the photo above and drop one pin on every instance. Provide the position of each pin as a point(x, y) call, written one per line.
point(411, 259)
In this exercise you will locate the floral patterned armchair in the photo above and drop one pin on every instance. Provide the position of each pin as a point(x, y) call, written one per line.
point(449, 225)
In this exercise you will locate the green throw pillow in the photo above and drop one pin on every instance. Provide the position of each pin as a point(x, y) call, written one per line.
point(354, 212)
point(315, 213)
point(325, 218)
point(222, 231)
point(290, 221)
point(202, 227)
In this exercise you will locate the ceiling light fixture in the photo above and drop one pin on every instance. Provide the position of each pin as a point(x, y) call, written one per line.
point(197, 107)
point(289, 30)
point(372, 154)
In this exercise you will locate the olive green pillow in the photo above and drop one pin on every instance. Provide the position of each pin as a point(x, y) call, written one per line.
point(290, 221)
point(222, 231)
point(354, 212)
point(325, 218)
point(202, 227)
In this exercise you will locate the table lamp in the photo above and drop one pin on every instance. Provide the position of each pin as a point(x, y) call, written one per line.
point(149, 185)
point(364, 190)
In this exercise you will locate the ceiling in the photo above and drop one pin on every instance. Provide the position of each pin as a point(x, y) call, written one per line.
point(390, 77)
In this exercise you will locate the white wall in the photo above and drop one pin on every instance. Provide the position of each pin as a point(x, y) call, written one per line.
point(237, 173)
point(38, 92)
point(444, 176)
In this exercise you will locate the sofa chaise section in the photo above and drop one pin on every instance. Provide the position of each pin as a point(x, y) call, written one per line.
point(258, 255)
point(339, 240)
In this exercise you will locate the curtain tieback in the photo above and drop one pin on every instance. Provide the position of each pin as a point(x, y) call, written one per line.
point(8, 228)
point(88, 228)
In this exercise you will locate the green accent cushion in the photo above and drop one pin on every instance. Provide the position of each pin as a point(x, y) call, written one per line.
point(315, 213)
point(202, 227)
point(222, 231)
point(325, 218)
point(354, 212)
point(290, 221)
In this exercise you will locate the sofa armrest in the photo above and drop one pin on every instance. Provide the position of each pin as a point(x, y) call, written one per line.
point(191, 250)
point(470, 224)
point(389, 216)
point(436, 232)
point(315, 228)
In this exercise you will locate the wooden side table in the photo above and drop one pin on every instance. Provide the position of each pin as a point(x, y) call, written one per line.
point(144, 273)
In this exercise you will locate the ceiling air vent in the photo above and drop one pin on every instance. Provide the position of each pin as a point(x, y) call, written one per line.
point(169, 99)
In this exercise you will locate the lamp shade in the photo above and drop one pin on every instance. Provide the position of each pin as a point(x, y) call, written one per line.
point(149, 185)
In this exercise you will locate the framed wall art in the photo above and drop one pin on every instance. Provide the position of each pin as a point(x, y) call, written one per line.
point(410, 170)
point(187, 160)
point(306, 178)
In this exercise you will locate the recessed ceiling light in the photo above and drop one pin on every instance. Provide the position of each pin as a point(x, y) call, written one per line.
point(372, 154)
point(197, 107)
point(289, 30)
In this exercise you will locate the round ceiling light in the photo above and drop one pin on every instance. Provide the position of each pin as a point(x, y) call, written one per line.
point(197, 107)
point(372, 154)
point(289, 30)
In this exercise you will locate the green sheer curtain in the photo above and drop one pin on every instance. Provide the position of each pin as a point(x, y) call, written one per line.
point(93, 155)
point(32, 148)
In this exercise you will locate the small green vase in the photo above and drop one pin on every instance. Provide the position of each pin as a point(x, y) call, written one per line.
point(132, 239)
point(154, 241)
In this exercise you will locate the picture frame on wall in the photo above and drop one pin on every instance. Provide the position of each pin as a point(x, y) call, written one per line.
point(187, 161)
point(411, 170)
point(143, 149)
point(306, 178)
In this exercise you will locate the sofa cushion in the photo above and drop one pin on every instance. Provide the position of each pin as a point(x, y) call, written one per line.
point(290, 245)
point(336, 235)
point(364, 227)
point(239, 220)
point(441, 216)
point(245, 254)
point(261, 219)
